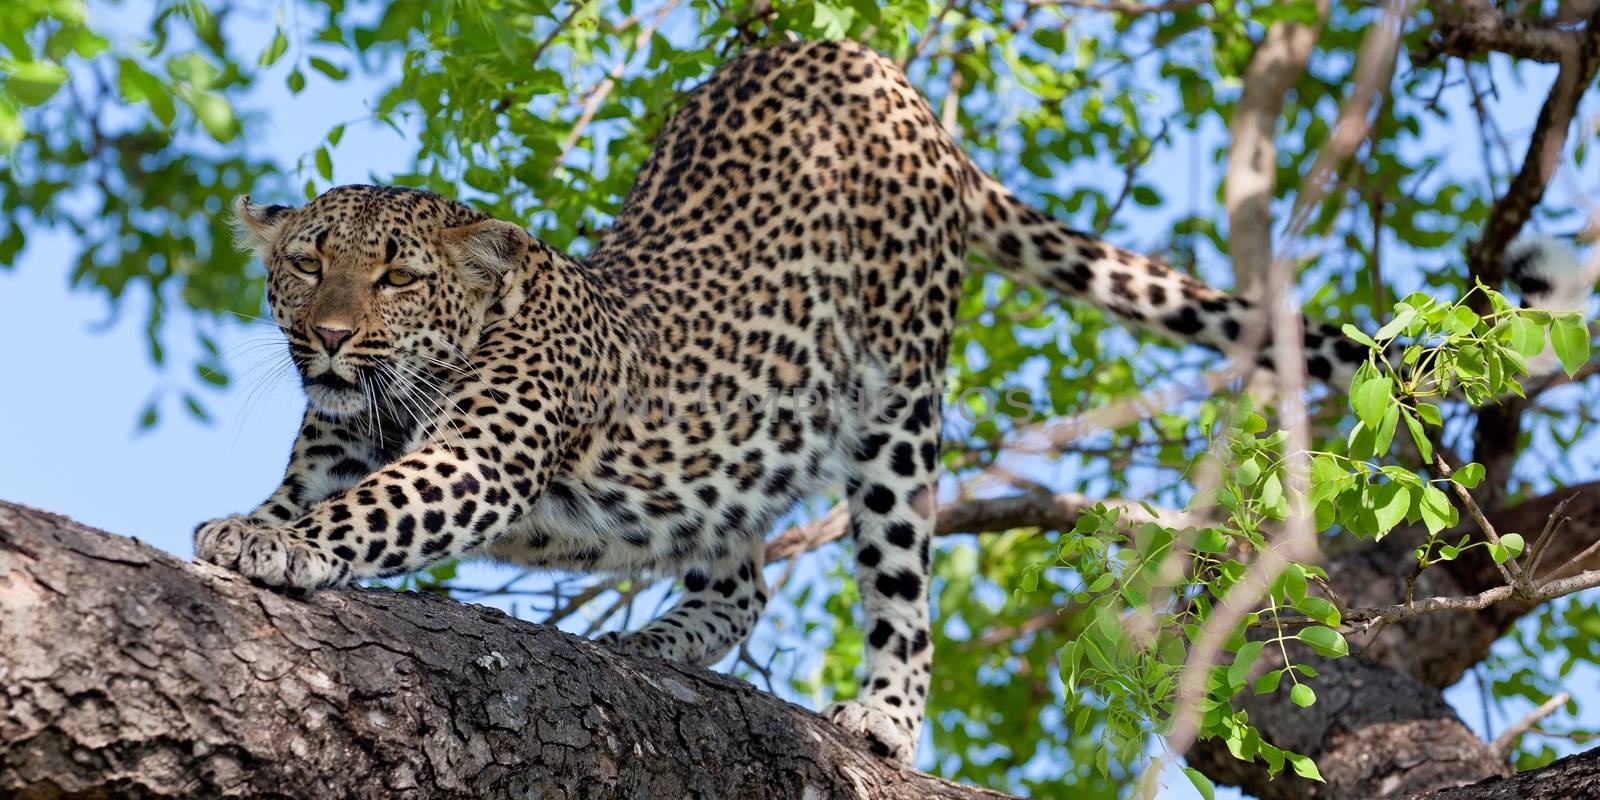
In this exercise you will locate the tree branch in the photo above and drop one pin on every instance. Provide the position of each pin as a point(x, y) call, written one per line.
point(127, 672)
point(1500, 425)
point(1474, 28)
point(1278, 62)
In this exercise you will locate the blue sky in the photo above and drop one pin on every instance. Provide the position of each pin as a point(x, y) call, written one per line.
point(68, 424)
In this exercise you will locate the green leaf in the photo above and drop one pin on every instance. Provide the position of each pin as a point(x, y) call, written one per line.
point(215, 114)
point(1469, 476)
point(1383, 437)
point(1513, 544)
point(274, 49)
point(1526, 336)
point(149, 417)
point(1249, 472)
point(32, 82)
point(1356, 335)
point(1326, 641)
point(1437, 513)
point(1304, 767)
point(1268, 683)
point(296, 82)
point(195, 408)
point(1371, 400)
point(1302, 695)
point(11, 132)
point(1243, 660)
point(832, 22)
point(1498, 552)
point(1419, 437)
point(1393, 501)
point(1570, 337)
point(328, 68)
point(1396, 325)
point(1429, 413)
point(324, 164)
point(1319, 609)
point(1202, 784)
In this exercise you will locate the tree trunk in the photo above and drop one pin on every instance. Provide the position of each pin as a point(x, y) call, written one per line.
point(125, 672)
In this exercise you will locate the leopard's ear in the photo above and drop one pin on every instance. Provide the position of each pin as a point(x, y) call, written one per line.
point(255, 227)
point(485, 250)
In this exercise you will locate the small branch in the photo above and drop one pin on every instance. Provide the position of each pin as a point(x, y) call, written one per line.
point(1130, 172)
point(1510, 569)
point(578, 601)
point(1557, 519)
point(928, 35)
point(1471, 29)
point(577, 7)
point(1366, 617)
point(1507, 741)
point(1577, 560)
point(598, 95)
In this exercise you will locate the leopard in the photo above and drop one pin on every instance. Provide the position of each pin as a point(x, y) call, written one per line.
point(800, 231)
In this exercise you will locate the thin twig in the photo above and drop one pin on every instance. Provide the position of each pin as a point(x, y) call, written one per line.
point(928, 35)
point(1556, 519)
point(1507, 741)
point(1361, 618)
point(1509, 569)
point(578, 601)
point(598, 94)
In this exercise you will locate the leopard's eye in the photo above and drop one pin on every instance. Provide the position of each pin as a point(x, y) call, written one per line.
point(309, 266)
point(399, 277)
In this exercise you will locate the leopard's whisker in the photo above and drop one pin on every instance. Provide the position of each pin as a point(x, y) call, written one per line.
point(404, 393)
point(422, 380)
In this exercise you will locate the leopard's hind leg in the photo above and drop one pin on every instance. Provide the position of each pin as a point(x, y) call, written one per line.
point(719, 607)
point(892, 505)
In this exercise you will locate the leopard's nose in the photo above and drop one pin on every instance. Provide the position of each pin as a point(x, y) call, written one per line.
point(332, 337)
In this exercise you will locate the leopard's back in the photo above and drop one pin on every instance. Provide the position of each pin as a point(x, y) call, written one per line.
point(794, 243)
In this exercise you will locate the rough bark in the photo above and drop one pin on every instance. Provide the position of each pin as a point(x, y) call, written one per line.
point(125, 672)
point(1572, 777)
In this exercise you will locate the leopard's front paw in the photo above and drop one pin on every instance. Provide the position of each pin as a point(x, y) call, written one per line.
point(219, 541)
point(273, 556)
point(886, 738)
point(638, 643)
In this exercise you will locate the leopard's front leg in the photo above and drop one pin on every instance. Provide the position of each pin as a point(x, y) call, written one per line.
point(437, 502)
point(329, 456)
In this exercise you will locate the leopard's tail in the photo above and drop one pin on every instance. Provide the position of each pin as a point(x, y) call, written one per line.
point(1036, 250)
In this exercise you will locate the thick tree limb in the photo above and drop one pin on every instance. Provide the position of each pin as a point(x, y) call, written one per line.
point(125, 672)
point(1277, 63)
point(1571, 777)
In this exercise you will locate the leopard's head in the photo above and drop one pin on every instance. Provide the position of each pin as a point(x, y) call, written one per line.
point(381, 291)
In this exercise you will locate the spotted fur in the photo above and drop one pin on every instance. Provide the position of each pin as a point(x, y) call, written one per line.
point(800, 230)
